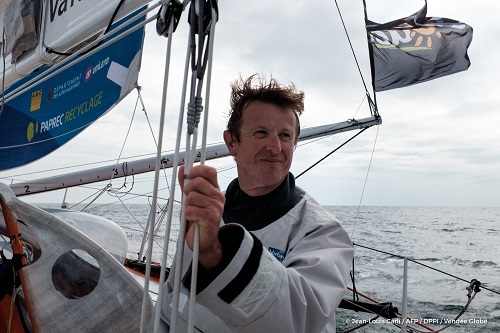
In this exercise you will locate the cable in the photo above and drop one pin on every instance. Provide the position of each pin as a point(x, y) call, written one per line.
point(333, 151)
point(422, 264)
point(364, 185)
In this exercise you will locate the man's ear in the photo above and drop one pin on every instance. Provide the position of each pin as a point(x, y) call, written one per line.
point(230, 143)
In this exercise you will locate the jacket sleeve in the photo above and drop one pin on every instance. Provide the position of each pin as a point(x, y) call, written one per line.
point(254, 292)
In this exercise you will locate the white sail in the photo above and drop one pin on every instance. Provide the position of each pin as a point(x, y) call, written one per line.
point(35, 29)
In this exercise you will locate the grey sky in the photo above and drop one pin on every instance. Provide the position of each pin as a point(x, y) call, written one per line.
point(438, 144)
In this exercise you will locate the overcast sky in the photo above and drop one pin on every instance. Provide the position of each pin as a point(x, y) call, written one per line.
point(438, 145)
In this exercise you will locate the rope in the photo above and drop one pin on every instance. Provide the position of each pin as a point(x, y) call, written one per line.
point(473, 288)
point(101, 192)
point(333, 151)
point(200, 54)
point(175, 165)
point(352, 49)
point(194, 113)
point(422, 264)
point(125, 165)
point(154, 201)
point(364, 185)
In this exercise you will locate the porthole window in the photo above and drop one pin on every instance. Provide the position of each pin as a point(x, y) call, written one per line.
point(75, 274)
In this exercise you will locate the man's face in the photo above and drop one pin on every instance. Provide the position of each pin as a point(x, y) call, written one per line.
point(267, 140)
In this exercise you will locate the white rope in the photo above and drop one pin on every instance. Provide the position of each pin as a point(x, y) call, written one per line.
point(152, 214)
point(180, 244)
point(196, 244)
point(194, 111)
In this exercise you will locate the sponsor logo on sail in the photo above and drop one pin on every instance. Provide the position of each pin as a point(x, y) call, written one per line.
point(30, 132)
point(52, 123)
point(88, 74)
point(64, 88)
point(64, 118)
point(96, 68)
point(36, 100)
point(59, 7)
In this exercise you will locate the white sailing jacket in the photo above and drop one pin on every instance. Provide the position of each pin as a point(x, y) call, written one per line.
point(288, 276)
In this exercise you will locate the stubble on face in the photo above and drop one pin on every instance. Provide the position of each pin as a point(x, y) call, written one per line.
point(264, 153)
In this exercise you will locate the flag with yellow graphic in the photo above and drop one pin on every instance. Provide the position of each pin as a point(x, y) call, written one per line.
point(416, 49)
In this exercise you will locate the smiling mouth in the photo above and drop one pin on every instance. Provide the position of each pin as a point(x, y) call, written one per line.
point(270, 160)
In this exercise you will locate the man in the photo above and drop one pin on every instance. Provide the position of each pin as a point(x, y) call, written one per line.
point(271, 259)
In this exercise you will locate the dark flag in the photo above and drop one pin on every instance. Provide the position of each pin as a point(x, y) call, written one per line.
point(416, 49)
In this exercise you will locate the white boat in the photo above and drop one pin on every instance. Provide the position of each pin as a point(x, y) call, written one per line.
point(67, 30)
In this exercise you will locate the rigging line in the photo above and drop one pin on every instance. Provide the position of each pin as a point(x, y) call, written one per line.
point(194, 111)
point(117, 193)
point(359, 106)
point(161, 216)
point(331, 128)
point(134, 195)
point(123, 145)
point(97, 197)
point(364, 185)
point(138, 223)
point(101, 191)
point(151, 218)
point(352, 49)
point(150, 128)
point(175, 165)
point(333, 151)
point(422, 264)
point(195, 108)
point(207, 62)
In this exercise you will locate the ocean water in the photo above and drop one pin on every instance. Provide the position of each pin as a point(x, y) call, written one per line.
point(463, 242)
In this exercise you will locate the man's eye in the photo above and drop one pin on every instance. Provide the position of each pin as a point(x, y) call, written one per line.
point(285, 136)
point(260, 134)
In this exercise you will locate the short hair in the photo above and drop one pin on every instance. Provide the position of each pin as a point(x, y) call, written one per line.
point(255, 88)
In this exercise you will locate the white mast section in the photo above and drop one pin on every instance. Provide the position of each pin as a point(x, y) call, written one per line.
point(148, 165)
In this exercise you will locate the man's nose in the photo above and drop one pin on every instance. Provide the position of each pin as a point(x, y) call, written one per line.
point(273, 144)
